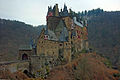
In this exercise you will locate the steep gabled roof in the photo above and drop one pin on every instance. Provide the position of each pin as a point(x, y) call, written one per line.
point(76, 22)
point(64, 35)
point(52, 35)
point(61, 31)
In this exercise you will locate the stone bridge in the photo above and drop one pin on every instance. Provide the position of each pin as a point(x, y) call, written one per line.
point(14, 66)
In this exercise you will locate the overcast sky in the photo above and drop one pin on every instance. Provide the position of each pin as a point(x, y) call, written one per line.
point(34, 11)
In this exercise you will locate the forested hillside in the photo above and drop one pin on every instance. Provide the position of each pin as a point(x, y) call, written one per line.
point(104, 32)
point(104, 35)
point(14, 34)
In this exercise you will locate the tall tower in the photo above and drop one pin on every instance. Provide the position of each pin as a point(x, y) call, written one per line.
point(53, 17)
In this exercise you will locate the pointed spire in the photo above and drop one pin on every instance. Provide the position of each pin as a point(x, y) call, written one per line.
point(64, 4)
point(65, 7)
point(65, 11)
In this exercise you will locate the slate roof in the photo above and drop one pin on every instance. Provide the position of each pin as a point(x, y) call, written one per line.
point(59, 34)
point(64, 35)
point(25, 47)
point(52, 35)
point(76, 22)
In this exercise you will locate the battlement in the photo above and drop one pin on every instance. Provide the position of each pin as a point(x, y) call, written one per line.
point(55, 13)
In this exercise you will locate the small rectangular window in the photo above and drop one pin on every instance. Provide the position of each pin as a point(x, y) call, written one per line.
point(60, 44)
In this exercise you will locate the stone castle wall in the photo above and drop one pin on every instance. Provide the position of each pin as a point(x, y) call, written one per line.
point(14, 66)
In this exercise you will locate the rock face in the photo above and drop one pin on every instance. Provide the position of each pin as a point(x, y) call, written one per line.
point(85, 67)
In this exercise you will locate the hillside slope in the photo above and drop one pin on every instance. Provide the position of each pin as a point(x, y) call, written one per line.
point(14, 34)
point(85, 67)
point(104, 32)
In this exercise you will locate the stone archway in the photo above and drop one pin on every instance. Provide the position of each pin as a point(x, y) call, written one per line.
point(24, 57)
point(25, 71)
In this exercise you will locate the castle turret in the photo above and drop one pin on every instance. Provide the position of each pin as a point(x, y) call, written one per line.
point(65, 11)
point(56, 10)
point(53, 17)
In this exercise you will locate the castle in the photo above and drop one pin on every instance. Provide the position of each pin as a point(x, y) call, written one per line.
point(64, 35)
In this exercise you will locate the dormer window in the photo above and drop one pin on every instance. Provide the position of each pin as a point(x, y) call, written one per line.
point(46, 37)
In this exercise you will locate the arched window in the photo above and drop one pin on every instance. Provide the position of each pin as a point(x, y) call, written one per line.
point(24, 57)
